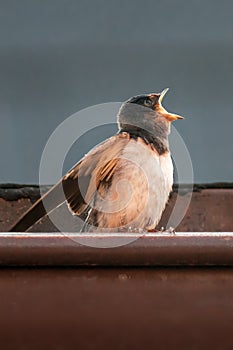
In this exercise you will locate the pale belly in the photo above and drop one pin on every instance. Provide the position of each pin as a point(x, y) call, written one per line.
point(139, 190)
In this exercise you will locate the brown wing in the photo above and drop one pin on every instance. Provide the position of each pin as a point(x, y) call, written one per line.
point(79, 184)
point(82, 182)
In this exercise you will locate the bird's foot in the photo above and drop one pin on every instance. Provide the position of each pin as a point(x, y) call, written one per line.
point(170, 230)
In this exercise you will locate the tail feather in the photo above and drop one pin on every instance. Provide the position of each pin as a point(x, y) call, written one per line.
point(54, 197)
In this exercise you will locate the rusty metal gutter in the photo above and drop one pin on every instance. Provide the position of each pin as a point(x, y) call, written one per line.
point(210, 209)
point(159, 291)
point(57, 249)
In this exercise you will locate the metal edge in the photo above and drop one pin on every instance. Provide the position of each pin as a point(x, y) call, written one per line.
point(59, 249)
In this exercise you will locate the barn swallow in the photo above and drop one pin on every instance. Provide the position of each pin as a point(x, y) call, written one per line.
point(123, 183)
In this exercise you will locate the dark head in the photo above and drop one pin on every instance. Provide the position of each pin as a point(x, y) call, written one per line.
point(153, 102)
point(145, 115)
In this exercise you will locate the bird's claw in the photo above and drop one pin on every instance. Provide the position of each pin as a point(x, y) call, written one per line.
point(170, 230)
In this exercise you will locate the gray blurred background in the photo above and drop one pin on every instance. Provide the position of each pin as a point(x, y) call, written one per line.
point(57, 57)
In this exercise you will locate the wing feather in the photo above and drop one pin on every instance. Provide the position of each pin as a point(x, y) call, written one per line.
point(82, 182)
point(79, 184)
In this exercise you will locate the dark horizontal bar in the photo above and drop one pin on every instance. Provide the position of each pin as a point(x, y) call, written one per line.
point(10, 191)
point(57, 249)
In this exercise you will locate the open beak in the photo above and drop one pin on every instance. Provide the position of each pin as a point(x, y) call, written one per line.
point(169, 116)
point(163, 93)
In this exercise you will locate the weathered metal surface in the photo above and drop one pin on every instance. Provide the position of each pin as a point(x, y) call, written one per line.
point(209, 210)
point(121, 308)
point(10, 211)
point(58, 293)
point(81, 250)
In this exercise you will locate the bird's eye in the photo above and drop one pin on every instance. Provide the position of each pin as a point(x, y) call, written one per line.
point(148, 102)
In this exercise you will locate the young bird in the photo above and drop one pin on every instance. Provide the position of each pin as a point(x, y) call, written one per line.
point(124, 182)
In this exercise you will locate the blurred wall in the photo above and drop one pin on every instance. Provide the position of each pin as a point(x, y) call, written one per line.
point(57, 57)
